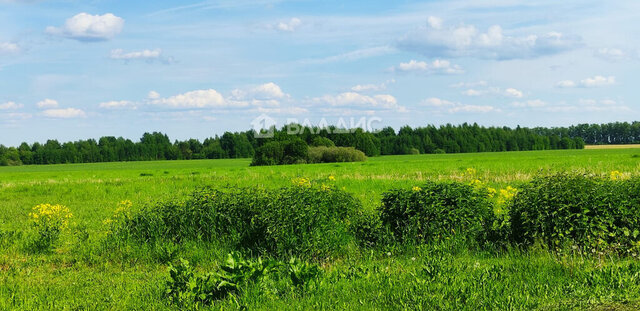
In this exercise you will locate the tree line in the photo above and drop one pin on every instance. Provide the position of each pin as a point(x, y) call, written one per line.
point(448, 138)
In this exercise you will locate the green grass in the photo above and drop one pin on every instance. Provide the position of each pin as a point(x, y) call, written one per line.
point(81, 275)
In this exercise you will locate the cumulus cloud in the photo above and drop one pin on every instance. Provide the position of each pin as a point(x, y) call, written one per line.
point(153, 95)
point(438, 66)
point(511, 92)
point(264, 91)
point(195, 99)
point(436, 39)
point(566, 84)
point(47, 103)
point(122, 104)
point(616, 55)
point(65, 113)
point(288, 26)
point(442, 105)
point(87, 27)
point(9, 48)
point(596, 81)
point(355, 100)
point(10, 106)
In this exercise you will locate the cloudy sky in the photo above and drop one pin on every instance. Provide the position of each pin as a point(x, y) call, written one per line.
point(82, 69)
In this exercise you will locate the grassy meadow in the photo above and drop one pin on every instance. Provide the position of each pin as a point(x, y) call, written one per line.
point(82, 274)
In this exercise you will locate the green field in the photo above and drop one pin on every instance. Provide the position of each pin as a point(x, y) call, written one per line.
point(79, 275)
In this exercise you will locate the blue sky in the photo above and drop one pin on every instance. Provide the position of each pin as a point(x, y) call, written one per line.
point(85, 69)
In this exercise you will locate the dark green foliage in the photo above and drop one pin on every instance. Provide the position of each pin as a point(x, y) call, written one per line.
point(187, 288)
point(430, 139)
point(297, 220)
point(335, 154)
point(320, 141)
point(588, 212)
point(436, 211)
point(292, 151)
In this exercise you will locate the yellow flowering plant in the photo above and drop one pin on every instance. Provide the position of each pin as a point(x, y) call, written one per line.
point(49, 221)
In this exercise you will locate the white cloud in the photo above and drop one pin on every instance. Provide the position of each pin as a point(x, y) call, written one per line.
point(437, 102)
point(566, 84)
point(442, 105)
point(8, 47)
point(511, 92)
point(472, 92)
point(434, 22)
point(118, 105)
point(268, 93)
point(196, 99)
point(435, 39)
point(361, 88)
point(143, 55)
point(47, 103)
point(87, 27)
point(153, 95)
point(356, 100)
point(10, 106)
point(535, 103)
point(66, 113)
point(289, 26)
point(613, 54)
point(596, 81)
point(438, 66)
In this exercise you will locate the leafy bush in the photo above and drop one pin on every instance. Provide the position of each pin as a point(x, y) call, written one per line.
point(335, 154)
point(436, 211)
point(304, 219)
point(185, 287)
point(320, 141)
point(292, 151)
point(48, 221)
point(589, 212)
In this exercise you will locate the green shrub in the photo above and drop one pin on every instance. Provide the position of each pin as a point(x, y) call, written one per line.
point(320, 141)
point(589, 212)
point(335, 154)
point(304, 219)
point(292, 151)
point(187, 288)
point(48, 222)
point(436, 211)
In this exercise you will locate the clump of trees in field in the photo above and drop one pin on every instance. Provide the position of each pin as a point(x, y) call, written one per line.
point(430, 139)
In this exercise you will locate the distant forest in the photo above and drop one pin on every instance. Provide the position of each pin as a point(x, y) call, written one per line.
point(448, 138)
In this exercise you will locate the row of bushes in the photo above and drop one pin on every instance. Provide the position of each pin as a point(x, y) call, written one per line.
point(563, 210)
point(302, 219)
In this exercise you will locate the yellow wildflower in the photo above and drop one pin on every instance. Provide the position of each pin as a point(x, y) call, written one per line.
point(617, 175)
point(332, 178)
point(416, 188)
point(507, 194)
point(491, 192)
point(302, 182)
point(471, 171)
